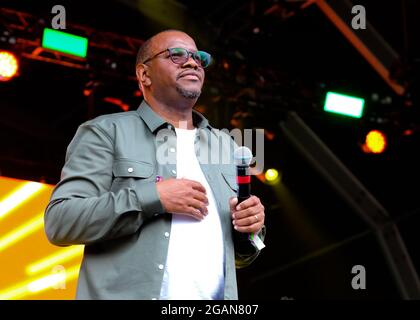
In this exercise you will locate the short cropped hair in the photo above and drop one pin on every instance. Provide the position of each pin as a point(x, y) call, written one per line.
point(145, 49)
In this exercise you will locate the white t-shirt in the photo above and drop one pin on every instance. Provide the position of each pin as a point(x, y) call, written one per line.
point(195, 264)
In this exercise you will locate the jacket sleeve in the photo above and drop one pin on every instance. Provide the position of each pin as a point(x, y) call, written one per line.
point(82, 209)
point(245, 251)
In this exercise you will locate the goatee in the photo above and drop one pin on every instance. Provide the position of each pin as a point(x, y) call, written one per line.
point(188, 93)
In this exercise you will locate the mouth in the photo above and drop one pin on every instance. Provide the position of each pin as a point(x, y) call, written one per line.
point(190, 76)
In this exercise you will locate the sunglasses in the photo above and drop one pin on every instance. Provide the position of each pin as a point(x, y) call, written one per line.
point(181, 56)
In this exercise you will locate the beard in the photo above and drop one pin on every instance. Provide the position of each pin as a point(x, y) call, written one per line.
point(189, 94)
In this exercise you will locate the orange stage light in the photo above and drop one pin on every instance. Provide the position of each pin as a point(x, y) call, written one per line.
point(9, 65)
point(375, 142)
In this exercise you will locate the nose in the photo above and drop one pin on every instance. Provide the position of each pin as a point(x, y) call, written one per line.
point(191, 62)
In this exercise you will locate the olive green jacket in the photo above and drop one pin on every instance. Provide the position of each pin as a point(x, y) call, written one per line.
point(107, 200)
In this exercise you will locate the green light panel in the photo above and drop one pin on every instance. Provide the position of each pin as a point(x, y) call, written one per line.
point(65, 42)
point(343, 104)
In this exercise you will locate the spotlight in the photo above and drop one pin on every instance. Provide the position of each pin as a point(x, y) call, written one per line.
point(65, 42)
point(9, 65)
point(271, 176)
point(375, 142)
point(343, 104)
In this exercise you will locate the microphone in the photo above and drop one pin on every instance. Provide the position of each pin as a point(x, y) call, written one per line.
point(242, 159)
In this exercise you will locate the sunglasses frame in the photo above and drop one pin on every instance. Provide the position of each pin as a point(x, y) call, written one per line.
point(190, 54)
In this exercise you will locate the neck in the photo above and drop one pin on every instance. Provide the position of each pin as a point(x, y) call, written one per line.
point(178, 114)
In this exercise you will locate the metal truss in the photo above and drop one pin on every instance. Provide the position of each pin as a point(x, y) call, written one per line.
point(360, 200)
point(22, 33)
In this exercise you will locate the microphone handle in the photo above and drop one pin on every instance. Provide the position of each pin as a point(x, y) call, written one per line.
point(244, 183)
point(243, 193)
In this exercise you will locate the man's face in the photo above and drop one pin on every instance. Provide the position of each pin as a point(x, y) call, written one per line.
point(169, 78)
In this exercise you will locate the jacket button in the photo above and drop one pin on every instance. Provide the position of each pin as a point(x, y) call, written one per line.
point(171, 149)
point(173, 172)
point(160, 267)
point(130, 170)
point(166, 234)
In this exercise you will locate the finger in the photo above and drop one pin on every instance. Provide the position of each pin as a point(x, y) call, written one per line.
point(249, 220)
point(232, 203)
point(249, 229)
point(198, 205)
point(195, 213)
point(251, 201)
point(197, 186)
point(251, 211)
point(200, 196)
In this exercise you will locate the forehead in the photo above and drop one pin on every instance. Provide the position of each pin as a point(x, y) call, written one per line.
point(173, 39)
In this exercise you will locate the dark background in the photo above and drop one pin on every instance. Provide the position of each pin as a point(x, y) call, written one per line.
point(266, 64)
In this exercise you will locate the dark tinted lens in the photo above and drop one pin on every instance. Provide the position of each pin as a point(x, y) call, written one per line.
point(178, 55)
point(203, 57)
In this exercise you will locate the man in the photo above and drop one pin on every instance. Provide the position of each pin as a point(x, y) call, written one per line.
point(156, 222)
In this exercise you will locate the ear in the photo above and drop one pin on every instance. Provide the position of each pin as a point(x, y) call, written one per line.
point(142, 73)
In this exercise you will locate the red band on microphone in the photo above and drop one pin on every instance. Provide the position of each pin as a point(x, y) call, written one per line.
point(243, 179)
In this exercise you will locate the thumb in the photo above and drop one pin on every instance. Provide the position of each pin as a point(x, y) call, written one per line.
point(233, 202)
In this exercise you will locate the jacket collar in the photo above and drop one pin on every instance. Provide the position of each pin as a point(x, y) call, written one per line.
point(154, 121)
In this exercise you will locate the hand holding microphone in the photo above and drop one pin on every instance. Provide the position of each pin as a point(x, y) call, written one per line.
point(247, 211)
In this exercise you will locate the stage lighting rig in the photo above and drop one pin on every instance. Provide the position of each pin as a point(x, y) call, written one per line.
point(34, 40)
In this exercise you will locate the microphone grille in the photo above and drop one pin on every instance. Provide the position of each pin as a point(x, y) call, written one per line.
point(242, 156)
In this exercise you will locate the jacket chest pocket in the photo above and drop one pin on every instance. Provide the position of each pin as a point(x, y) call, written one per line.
point(129, 173)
